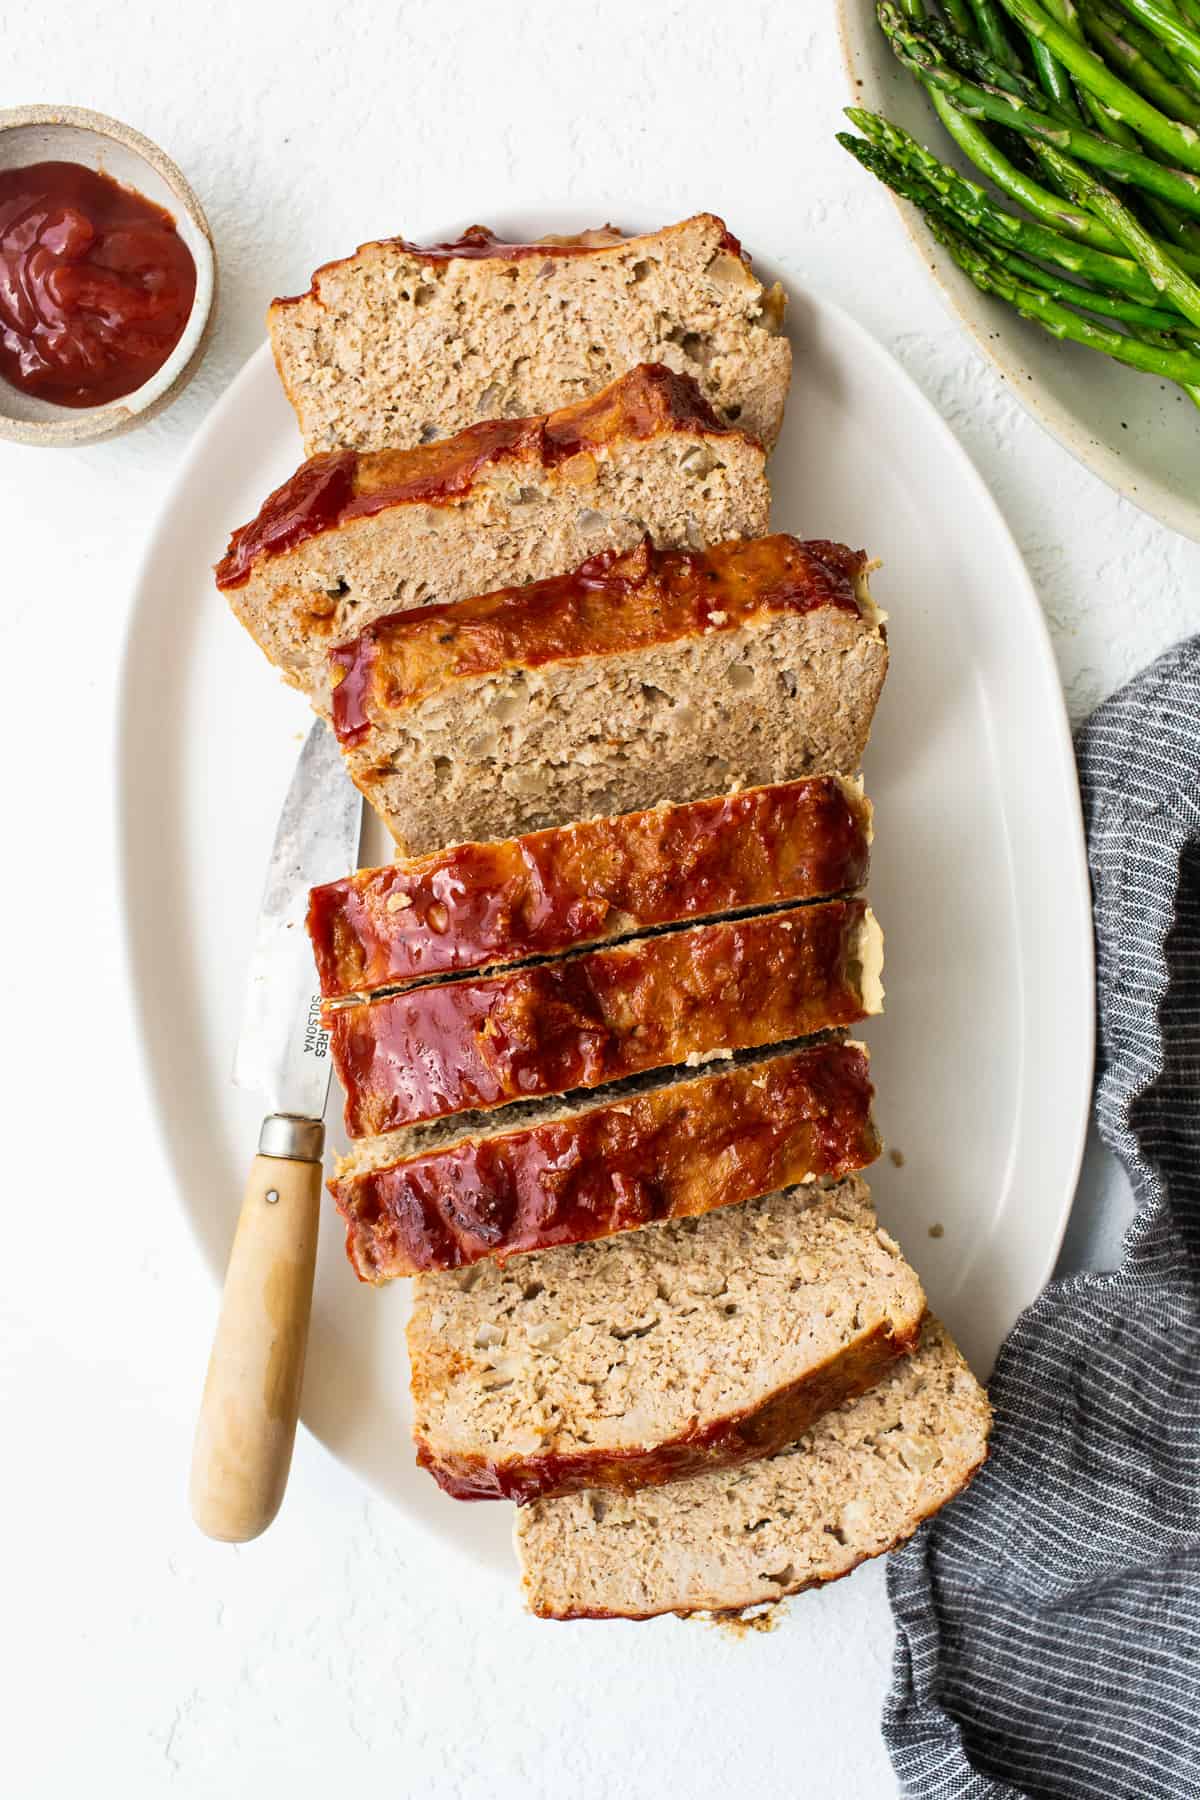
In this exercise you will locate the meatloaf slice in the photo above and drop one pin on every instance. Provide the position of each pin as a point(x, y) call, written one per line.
point(402, 342)
point(483, 905)
point(638, 676)
point(354, 535)
point(446, 1195)
point(602, 1015)
point(651, 1356)
point(855, 1484)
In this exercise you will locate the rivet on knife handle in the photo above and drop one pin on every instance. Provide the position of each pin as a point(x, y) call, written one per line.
point(251, 1402)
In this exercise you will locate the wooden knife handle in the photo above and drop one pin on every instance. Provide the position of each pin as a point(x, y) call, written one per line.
point(247, 1423)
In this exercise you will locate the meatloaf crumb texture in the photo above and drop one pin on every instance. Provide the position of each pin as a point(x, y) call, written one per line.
point(483, 904)
point(650, 1356)
point(854, 1485)
point(602, 1015)
point(447, 1195)
point(352, 536)
point(641, 677)
point(399, 344)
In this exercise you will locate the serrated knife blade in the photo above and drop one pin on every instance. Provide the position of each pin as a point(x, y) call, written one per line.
point(282, 1052)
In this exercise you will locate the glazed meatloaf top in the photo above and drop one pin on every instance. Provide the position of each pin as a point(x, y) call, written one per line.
point(403, 342)
point(330, 490)
point(483, 904)
point(642, 1359)
point(610, 604)
point(478, 243)
point(602, 1015)
point(445, 1195)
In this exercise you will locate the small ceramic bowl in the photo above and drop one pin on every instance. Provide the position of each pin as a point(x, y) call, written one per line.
point(33, 134)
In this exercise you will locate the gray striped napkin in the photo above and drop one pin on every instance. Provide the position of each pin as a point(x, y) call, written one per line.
point(1049, 1621)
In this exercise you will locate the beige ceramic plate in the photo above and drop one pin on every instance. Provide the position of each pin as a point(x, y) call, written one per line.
point(1139, 435)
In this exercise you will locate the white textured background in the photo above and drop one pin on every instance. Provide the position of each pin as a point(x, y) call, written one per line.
point(335, 1656)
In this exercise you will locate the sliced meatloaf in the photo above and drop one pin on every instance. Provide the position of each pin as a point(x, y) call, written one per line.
point(602, 1015)
point(481, 905)
point(855, 1484)
point(401, 343)
point(640, 676)
point(354, 535)
point(446, 1195)
point(651, 1356)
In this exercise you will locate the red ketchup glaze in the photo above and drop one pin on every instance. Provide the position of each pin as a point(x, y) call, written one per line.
point(96, 285)
point(335, 488)
point(726, 1442)
point(468, 1045)
point(479, 244)
point(477, 904)
point(615, 602)
point(675, 1151)
point(311, 500)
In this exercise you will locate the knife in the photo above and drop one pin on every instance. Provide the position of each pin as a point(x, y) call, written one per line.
point(247, 1424)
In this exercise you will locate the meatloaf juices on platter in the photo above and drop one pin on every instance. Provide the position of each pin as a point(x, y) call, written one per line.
point(592, 1023)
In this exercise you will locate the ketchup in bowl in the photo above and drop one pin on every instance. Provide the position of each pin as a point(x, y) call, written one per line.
point(96, 285)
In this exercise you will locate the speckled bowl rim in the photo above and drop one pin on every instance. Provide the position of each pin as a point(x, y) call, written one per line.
point(984, 321)
point(89, 426)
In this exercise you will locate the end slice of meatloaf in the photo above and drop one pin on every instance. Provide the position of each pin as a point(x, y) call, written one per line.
point(355, 534)
point(852, 1486)
point(482, 905)
point(602, 1015)
point(638, 677)
point(446, 1195)
point(649, 1357)
point(401, 343)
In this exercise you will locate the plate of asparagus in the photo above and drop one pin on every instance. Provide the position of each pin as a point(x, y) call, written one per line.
point(1046, 158)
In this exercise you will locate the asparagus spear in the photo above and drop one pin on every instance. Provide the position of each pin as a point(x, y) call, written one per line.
point(904, 179)
point(1180, 142)
point(979, 149)
point(992, 34)
point(1054, 79)
point(1060, 286)
point(1066, 14)
point(1152, 48)
point(1050, 72)
point(917, 52)
point(1164, 271)
point(1167, 26)
point(1158, 325)
point(1181, 366)
point(972, 59)
point(1013, 182)
point(1176, 224)
point(991, 243)
point(1119, 47)
point(985, 215)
